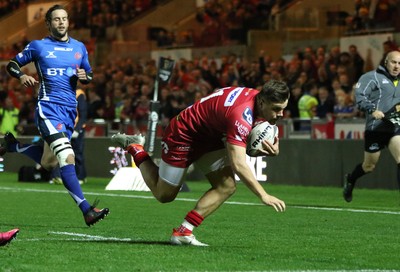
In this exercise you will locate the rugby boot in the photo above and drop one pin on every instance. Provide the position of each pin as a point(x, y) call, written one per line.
point(348, 189)
point(9, 144)
point(124, 141)
point(7, 237)
point(185, 238)
point(94, 215)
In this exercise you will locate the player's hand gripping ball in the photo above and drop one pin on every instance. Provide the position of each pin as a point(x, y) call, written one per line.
point(261, 132)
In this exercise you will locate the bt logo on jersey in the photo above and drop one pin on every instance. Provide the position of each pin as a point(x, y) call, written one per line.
point(61, 71)
point(56, 71)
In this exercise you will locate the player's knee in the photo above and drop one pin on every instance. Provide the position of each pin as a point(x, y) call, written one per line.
point(368, 167)
point(49, 163)
point(70, 159)
point(166, 195)
point(165, 198)
point(62, 149)
point(227, 189)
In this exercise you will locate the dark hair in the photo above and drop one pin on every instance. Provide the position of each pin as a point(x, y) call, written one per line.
point(275, 91)
point(49, 12)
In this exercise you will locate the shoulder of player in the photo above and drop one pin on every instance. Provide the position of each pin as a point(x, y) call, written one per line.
point(35, 43)
point(76, 42)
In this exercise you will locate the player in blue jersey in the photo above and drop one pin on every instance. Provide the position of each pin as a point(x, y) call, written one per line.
point(60, 62)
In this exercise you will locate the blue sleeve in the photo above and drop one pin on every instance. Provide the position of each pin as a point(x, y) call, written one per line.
point(29, 54)
point(85, 60)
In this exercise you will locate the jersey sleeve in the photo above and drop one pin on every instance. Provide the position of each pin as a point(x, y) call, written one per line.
point(85, 60)
point(29, 54)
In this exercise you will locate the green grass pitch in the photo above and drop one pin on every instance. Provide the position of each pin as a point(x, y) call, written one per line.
point(318, 231)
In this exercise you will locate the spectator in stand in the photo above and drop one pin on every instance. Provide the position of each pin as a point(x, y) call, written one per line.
point(107, 111)
point(346, 67)
point(293, 72)
point(125, 110)
point(292, 109)
point(141, 113)
point(357, 60)
point(303, 79)
point(94, 104)
point(344, 82)
point(308, 102)
point(27, 112)
point(385, 13)
point(79, 14)
point(336, 87)
point(250, 75)
point(9, 118)
point(326, 103)
point(343, 107)
point(210, 74)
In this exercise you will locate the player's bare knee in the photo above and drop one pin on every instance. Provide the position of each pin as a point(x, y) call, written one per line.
point(49, 164)
point(70, 159)
point(227, 189)
point(165, 198)
point(368, 167)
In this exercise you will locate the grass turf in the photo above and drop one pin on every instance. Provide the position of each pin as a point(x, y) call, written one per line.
point(319, 231)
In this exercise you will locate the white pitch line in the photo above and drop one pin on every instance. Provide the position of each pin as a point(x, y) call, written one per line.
point(13, 189)
point(91, 237)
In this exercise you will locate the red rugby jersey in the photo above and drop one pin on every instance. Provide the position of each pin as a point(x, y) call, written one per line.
point(226, 114)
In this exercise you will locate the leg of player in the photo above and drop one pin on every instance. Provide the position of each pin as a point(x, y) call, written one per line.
point(11, 144)
point(216, 167)
point(164, 181)
point(62, 148)
point(394, 148)
point(223, 185)
point(49, 160)
point(368, 165)
point(162, 190)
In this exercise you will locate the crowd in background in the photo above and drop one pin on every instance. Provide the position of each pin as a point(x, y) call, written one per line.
point(373, 15)
point(123, 88)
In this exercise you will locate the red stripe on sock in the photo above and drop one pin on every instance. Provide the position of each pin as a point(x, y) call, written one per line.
point(141, 157)
point(194, 218)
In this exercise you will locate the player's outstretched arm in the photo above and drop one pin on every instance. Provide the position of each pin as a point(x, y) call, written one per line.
point(237, 156)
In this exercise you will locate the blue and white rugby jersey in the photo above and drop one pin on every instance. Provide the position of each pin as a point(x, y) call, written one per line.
point(56, 63)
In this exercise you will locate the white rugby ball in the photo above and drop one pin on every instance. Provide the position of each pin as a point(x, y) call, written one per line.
point(261, 132)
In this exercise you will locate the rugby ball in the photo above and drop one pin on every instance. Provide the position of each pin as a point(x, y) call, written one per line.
point(259, 133)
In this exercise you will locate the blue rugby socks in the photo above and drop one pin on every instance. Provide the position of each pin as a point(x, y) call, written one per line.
point(33, 151)
point(71, 183)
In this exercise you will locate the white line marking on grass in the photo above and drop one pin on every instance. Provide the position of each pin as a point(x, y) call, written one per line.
point(344, 210)
point(13, 189)
point(92, 237)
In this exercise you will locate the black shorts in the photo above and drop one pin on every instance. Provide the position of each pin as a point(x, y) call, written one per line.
point(375, 141)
